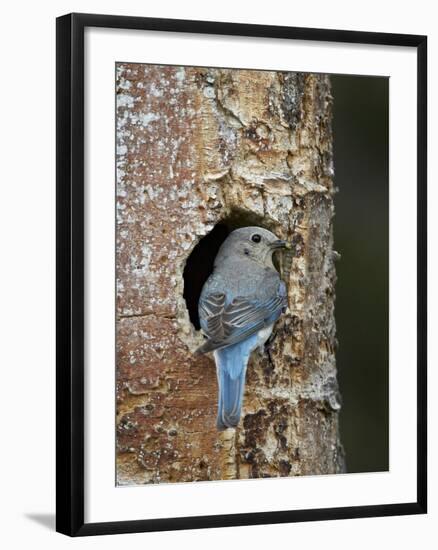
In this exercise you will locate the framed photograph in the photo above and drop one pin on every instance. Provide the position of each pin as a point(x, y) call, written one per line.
point(241, 274)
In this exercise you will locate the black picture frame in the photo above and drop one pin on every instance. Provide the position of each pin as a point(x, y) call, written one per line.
point(70, 273)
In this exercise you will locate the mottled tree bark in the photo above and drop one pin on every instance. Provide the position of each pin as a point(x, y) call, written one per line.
point(196, 147)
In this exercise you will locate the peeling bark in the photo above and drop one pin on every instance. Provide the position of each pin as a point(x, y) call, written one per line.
point(196, 147)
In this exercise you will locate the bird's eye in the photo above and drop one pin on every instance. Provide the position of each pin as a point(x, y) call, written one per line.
point(256, 238)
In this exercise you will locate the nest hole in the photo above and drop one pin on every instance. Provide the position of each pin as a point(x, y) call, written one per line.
point(199, 265)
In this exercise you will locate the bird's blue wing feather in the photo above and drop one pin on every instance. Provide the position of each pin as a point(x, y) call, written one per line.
point(227, 324)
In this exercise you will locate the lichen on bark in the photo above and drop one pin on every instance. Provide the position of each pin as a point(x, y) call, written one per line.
point(196, 147)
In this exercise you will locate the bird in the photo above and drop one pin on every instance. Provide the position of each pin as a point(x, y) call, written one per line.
point(238, 306)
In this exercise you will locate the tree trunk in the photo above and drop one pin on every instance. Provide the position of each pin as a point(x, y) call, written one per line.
point(195, 148)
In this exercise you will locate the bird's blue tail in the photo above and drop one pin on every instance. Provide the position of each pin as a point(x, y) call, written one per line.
point(231, 365)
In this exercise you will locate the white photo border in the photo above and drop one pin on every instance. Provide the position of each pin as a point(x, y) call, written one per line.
point(103, 500)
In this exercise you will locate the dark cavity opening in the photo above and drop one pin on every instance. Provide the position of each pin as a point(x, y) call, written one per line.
point(199, 264)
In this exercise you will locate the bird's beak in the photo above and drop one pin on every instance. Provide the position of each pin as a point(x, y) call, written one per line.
point(280, 244)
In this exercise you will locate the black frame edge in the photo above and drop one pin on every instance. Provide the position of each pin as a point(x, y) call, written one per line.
point(247, 29)
point(70, 274)
point(63, 344)
point(422, 275)
point(241, 520)
point(69, 277)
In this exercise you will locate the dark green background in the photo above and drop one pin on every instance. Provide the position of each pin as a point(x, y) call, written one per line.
point(361, 232)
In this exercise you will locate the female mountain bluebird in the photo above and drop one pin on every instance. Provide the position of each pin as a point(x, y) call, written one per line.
point(239, 304)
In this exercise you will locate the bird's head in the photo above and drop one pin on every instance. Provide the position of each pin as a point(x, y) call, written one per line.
point(254, 243)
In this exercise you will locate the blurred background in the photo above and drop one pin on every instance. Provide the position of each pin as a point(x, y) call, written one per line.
point(360, 127)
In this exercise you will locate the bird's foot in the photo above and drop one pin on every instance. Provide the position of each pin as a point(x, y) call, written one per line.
point(267, 348)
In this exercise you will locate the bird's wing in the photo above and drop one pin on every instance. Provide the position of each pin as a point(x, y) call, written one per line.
point(225, 325)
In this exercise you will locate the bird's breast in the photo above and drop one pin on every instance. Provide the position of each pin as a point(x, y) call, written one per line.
point(264, 334)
